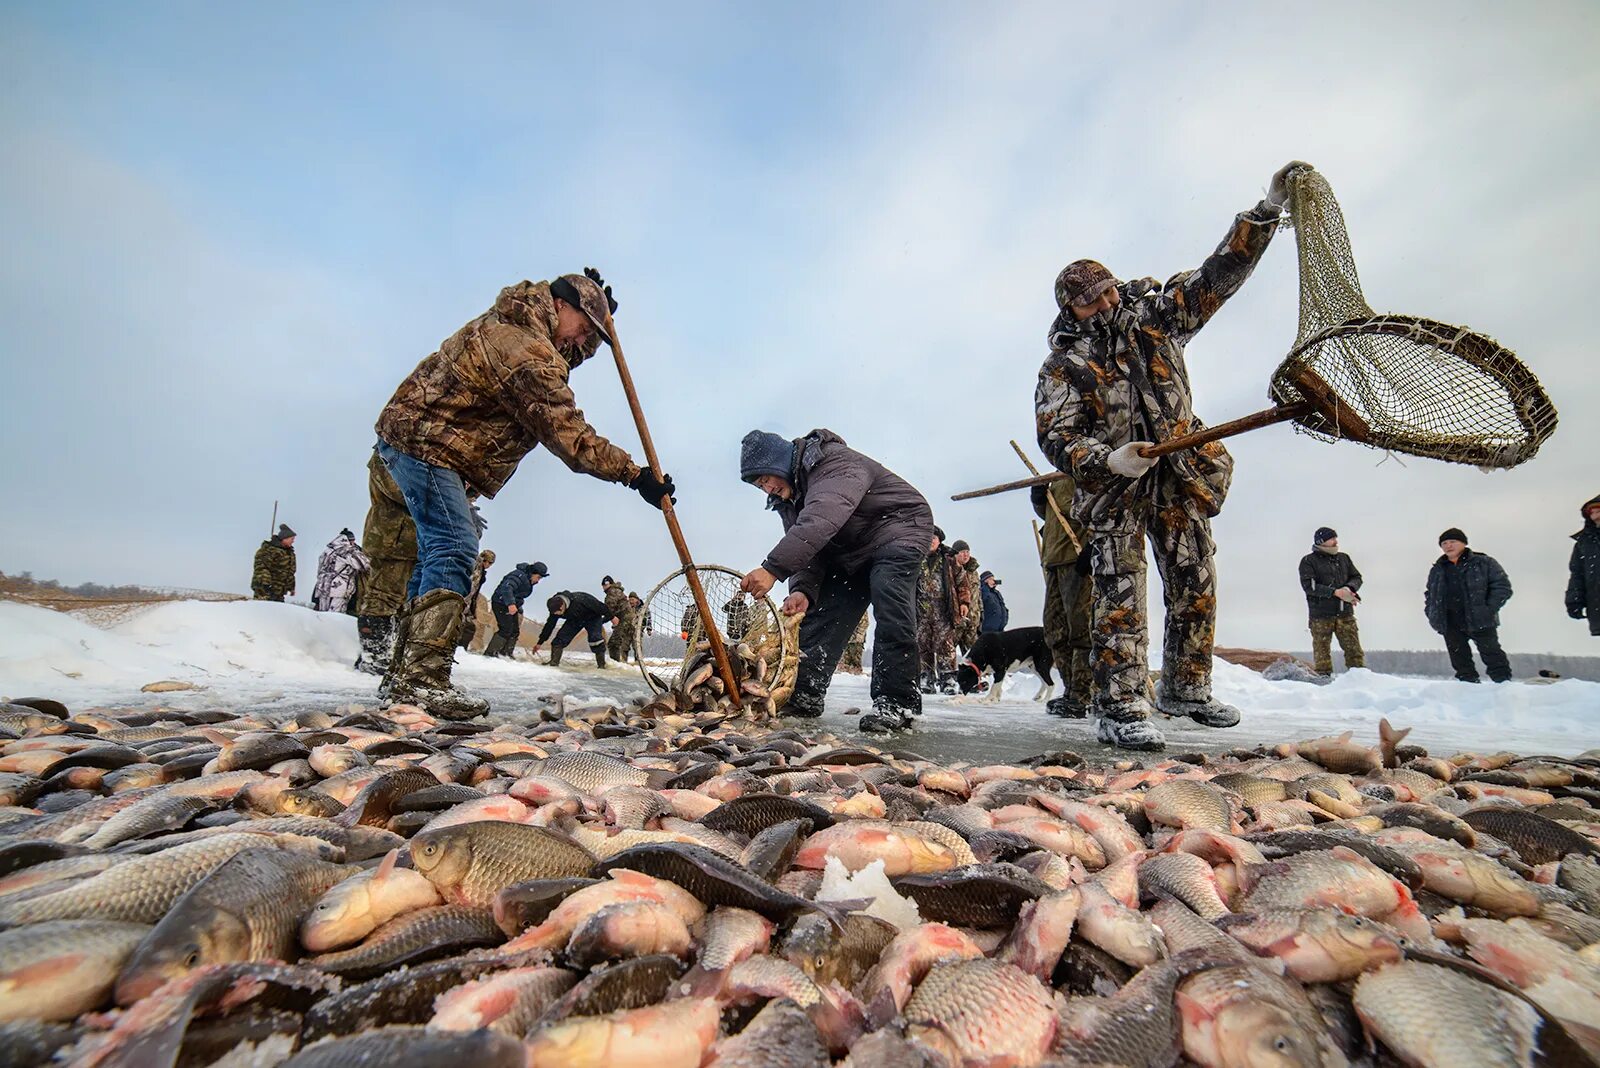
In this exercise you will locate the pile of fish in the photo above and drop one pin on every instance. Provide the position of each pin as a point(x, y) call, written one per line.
point(699, 687)
point(645, 886)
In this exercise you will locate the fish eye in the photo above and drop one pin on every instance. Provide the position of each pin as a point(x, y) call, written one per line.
point(1282, 1044)
point(1358, 921)
point(192, 958)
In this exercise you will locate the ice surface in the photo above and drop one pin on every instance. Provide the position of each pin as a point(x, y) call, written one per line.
point(261, 654)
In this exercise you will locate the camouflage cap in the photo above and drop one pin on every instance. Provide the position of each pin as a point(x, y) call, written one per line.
point(588, 293)
point(1081, 282)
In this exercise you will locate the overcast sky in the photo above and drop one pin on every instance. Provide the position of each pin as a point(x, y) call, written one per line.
point(229, 231)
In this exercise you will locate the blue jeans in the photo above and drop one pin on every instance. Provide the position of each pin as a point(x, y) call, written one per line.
point(447, 542)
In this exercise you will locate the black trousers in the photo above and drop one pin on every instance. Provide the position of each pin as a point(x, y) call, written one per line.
point(1488, 642)
point(889, 584)
point(569, 630)
point(509, 626)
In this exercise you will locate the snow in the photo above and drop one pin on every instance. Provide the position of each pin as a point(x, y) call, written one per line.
point(265, 655)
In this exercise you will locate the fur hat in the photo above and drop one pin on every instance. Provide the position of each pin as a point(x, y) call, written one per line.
point(1453, 534)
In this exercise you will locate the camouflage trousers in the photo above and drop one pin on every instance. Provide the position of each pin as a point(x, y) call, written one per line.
point(390, 540)
point(1120, 630)
point(1066, 627)
point(851, 660)
point(1323, 631)
point(936, 646)
point(621, 640)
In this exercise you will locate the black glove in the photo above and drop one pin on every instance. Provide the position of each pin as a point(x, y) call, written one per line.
point(1576, 612)
point(651, 490)
point(1037, 496)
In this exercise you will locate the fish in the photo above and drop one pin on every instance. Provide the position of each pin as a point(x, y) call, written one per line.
point(673, 1034)
point(248, 909)
point(982, 1011)
point(906, 961)
point(712, 879)
point(422, 935)
point(1189, 804)
point(1187, 878)
point(469, 863)
point(755, 813)
point(978, 895)
point(509, 1002)
point(589, 771)
point(1536, 839)
point(837, 955)
point(1463, 874)
point(413, 1047)
point(1317, 945)
point(772, 851)
point(627, 984)
point(1243, 1015)
point(1041, 933)
point(59, 969)
point(628, 929)
point(352, 909)
point(780, 1036)
point(625, 885)
point(902, 848)
point(1340, 754)
point(1430, 1014)
point(731, 935)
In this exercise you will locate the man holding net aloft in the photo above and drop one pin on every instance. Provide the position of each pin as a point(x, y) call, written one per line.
point(1115, 381)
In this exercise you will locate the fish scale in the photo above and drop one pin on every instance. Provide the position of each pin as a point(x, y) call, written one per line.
point(983, 1009)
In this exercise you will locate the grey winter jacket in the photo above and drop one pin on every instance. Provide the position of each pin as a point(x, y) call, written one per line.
point(1583, 587)
point(1320, 574)
point(846, 509)
point(1487, 585)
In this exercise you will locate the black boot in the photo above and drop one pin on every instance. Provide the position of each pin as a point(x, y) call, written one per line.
point(885, 718)
point(555, 655)
point(498, 646)
point(599, 650)
point(377, 642)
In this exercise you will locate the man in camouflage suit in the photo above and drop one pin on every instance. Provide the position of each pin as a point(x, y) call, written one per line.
point(469, 612)
point(938, 615)
point(458, 425)
point(1064, 554)
point(339, 571)
point(622, 619)
point(1115, 381)
point(854, 650)
point(970, 598)
point(736, 617)
point(273, 576)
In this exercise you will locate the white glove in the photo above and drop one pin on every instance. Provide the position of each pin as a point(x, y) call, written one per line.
point(1278, 188)
point(1127, 462)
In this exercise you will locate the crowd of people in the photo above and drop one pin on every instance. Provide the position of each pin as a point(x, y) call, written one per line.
point(857, 535)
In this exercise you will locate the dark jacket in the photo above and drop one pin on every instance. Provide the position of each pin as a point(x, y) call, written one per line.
point(1320, 574)
point(1486, 585)
point(1583, 587)
point(995, 613)
point(846, 508)
point(513, 589)
point(582, 609)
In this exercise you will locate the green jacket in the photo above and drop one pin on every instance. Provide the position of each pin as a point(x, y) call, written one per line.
point(273, 577)
point(1062, 544)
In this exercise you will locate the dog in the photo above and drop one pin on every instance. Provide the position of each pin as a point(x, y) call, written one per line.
point(997, 651)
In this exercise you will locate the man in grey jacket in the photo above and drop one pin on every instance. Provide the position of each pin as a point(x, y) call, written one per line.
point(854, 534)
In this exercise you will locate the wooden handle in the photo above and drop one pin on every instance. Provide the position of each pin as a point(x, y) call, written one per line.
point(1055, 508)
point(1265, 417)
point(718, 651)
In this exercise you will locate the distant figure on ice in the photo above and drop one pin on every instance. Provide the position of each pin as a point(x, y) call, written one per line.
point(854, 649)
point(995, 613)
point(1114, 382)
point(506, 604)
point(1583, 587)
point(1465, 593)
point(469, 611)
point(273, 577)
point(637, 605)
point(1064, 552)
point(1331, 582)
point(970, 597)
point(339, 572)
point(622, 619)
point(576, 611)
point(460, 423)
point(939, 615)
point(736, 615)
point(854, 535)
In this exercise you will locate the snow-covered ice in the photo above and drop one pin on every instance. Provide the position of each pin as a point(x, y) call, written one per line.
point(259, 654)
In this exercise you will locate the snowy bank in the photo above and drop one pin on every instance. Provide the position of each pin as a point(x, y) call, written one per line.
point(275, 655)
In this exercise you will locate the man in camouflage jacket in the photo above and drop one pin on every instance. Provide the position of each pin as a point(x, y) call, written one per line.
point(622, 619)
point(469, 611)
point(969, 597)
point(938, 615)
point(459, 424)
point(1115, 381)
point(273, 576)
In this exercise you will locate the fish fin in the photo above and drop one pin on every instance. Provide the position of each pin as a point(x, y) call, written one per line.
point(1345, 737)
point(630, 877)
point(212, 735)
point(881, 1009)
point(838, 912)
point(701, 982)
point(658, 780)
point(385, 868)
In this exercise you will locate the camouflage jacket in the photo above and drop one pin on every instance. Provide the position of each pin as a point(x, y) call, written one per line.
point(736, 615)
point(274, 570)
point(617, 604)
point(969, 593)
point(1121, 377)
point(495, 390)
point(939, 587)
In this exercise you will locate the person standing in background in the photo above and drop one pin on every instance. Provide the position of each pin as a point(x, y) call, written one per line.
point(1465, 593)
point(1583, 587)
point(1330, 581)
point(273, 576)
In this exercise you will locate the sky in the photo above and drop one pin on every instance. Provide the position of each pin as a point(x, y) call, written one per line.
point(230, 232)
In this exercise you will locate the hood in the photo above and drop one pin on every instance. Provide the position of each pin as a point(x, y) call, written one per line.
point(808, 450)
point(1584, 512)
point(529, 304)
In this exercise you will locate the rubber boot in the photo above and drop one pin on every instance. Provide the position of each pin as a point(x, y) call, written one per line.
point(555, 655)
point(377, 642)
point(599, 651)
point(498, 646)
point(421, 673)
point(885, 718)
point(1066, 707)
point(1206, 711)
point(402, 627)
point(1130, 734)
point(803, 705)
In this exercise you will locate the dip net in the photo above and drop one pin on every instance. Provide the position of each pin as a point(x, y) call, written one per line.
point(1401, 382)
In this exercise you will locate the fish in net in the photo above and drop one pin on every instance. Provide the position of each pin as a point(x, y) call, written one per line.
point(1396, 382)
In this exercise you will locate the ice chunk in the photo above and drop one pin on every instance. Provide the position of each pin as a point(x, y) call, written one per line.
point(870, 883)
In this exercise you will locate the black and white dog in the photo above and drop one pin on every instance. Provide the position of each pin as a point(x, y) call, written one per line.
point(998, 650)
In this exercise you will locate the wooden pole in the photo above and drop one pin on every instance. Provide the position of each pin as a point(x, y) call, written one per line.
point(1055, 508)
point(718, 651)
point(273, 528)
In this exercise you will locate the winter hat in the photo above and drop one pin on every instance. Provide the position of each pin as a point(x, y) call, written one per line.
point(346, 533)
point(588, 293)
point(961, 547)
point(1324, 535)
point(938, 532)
point(557, 604)
point(1082, 282)
point(607, 580)
point(536, 568)
point(765, 453)
point(1453, 534)
point(986, 576)
point(1590, 503)
point(284, 531)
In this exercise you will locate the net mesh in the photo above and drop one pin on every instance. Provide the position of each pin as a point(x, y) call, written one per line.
point(668, 625)
point(1403, 383)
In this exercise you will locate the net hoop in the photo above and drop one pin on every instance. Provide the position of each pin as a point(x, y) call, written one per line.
point(765, 621)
